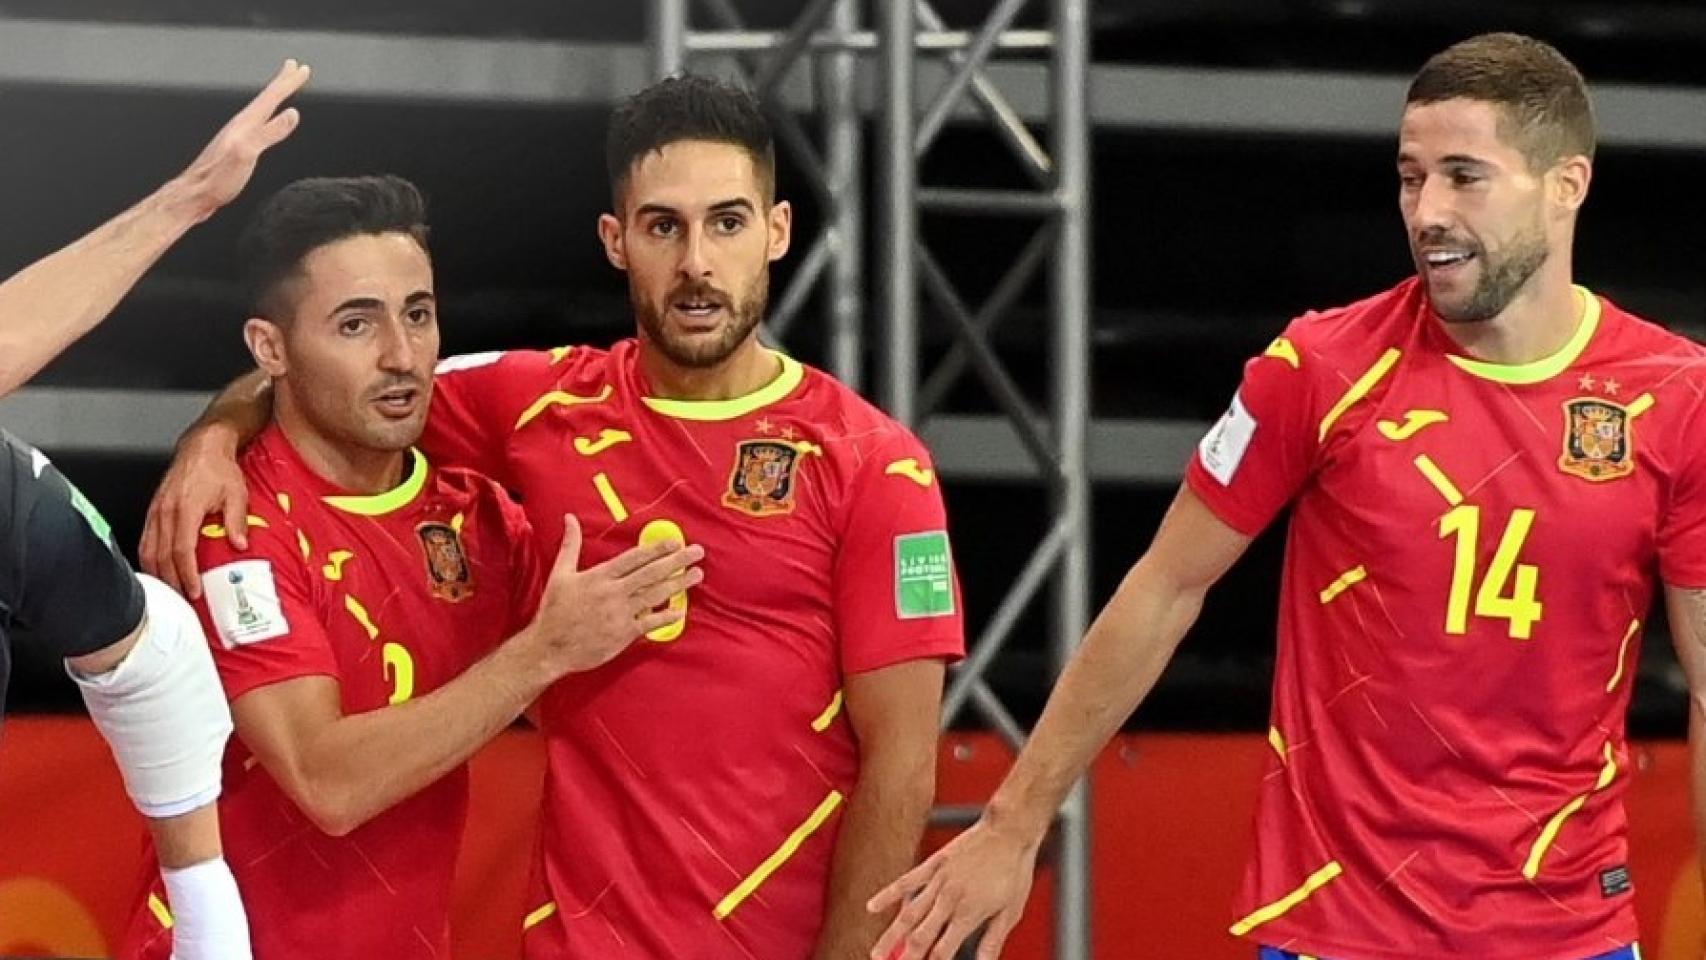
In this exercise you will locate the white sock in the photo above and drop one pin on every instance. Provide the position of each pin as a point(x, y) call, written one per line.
point(208, 921)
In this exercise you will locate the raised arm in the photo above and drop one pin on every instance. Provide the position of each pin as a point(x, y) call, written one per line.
point(985, 873)
point(46, 306)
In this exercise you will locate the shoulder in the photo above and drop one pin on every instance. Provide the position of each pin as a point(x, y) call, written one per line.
point(1354, 335)
point(526, 367)
point(857, 427)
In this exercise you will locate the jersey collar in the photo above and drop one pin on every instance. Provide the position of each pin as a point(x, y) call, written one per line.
point(784, 384)
point(396, 498)
point(1547, 367)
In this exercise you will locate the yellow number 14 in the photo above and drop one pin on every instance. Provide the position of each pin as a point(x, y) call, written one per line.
point(1519, 606)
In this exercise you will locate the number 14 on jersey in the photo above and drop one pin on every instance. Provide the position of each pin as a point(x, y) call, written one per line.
point(1519, 606)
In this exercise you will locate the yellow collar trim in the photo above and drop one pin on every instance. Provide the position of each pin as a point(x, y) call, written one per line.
point(1547, 367)
point(396, 498)
point(784, 384)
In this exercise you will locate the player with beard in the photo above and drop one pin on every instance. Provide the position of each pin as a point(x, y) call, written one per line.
point(1491, 471)
point(741, 783)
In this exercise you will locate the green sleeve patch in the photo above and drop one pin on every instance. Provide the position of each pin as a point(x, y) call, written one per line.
point(923, 575)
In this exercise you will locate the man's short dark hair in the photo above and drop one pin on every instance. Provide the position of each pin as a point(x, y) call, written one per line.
point(1543, 100)
point(688, 107)
point(310, 213)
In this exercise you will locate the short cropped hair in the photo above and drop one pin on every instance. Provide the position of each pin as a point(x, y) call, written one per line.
point(688, 107)
point(1544, 101)
point(310, 213)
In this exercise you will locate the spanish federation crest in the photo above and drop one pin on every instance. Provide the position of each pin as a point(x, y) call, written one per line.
point(762, 484)
point(447, 564)
point(1599, 440)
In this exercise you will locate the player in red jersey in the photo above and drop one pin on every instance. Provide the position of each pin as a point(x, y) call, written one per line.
point(361, 635)
point(1491, 471)
point(742, 783)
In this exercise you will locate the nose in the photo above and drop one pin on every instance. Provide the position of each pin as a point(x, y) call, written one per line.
point(1434, 209)
point(396, 349)
point(695, 261)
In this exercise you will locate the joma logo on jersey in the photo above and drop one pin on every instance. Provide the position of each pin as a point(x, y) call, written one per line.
point(1599, 442)
point(762, 483)
point(447, 564)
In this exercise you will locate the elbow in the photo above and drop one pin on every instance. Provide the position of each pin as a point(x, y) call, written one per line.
point(332, 810)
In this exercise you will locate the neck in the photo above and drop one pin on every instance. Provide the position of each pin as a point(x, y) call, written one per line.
point(359, 470)
point(1535, 325)
point(747, 369)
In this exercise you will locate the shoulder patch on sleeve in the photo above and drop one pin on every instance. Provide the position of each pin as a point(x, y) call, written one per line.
point(468, 361)
point(242, 601)
point(923, 575)
point(911, 470)
point(1223, 448)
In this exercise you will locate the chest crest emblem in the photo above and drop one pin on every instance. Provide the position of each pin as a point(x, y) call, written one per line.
point(762, 482)
point(447, 563)
point(1599, 440)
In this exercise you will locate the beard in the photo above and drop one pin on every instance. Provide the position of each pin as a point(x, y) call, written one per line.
point(1500, 280)
point(702, 351)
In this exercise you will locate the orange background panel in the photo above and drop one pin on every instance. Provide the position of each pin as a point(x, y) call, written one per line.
point(1172, 815)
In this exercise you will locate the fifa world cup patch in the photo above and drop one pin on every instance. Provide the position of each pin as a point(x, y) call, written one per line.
point(923, 575)
point(242, 602)
point(1599, 440)
point(447, 564)
point(762, 482)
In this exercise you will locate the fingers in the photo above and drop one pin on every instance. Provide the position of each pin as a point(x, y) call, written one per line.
point(960, 926)
point(290, 78)
point(928, 931)
point(896, 893)
point(569, 551)
point(629, 561)
point(236, 513)
point(664, 568)
point(657, 620)
point(181, 551)
point(151, 542)
point(995, 937)
point(919, 879)
point(658, 594)
point(280, 127)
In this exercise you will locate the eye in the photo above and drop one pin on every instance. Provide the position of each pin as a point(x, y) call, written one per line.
point(1409, 181)
point(1464, 178)
point(351, 326)
point(662, 227)
point(730, 223)
point(420, 316)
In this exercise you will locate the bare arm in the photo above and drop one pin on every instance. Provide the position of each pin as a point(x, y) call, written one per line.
point(895, 713)
point(1687, 610)
point(52, 302)
point(202, 478)
point(344, 770)
point(986, 872)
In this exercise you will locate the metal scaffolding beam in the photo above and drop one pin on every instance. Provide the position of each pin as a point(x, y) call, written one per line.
point(915, 100)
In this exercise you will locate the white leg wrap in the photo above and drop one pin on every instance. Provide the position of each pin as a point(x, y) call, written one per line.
point(162, 710)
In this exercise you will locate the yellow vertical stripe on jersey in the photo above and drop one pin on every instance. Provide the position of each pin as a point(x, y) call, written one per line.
point(1360, 389)
point(216, 531)
point(539, 916)
point(558, 398)
point(1282, 349)
point(827, 717)
point(1640, 405)
point(1277, 741)
point(607, 493)
point(283, 501)
point(1415, 421)
point(359, 612)
point(303, 544)
point(157, 907)
point(1607, 773)
point(1437, 477)
point(607, 438)
point(774, 862)
point(1282, 906)
point(1351, 578)
point(334, 566)
point(1622, 652)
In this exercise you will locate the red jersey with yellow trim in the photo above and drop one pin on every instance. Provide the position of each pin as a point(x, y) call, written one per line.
point(393, 596)
point(695, 784)
point(1472, 554)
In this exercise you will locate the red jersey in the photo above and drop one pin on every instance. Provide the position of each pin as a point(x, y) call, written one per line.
point(393, 596)
point(695, 784)
point(1472, 554)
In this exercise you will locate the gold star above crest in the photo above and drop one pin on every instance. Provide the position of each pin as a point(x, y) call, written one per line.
point(1586, 382)
point(1611, 388)
point(788, 433)
point(763, 426)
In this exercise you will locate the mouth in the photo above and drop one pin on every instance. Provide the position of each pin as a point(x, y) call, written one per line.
point(398, 403)
point(1446, 262)
point(698, 310)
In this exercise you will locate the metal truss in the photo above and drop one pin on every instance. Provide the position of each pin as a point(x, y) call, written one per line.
point(1054, 198)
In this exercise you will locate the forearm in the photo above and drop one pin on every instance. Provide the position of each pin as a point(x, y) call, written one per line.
point(366, 763)
point(1118, 663)
point(49, 304)
point(880, 834)
point(237, 414)
point(1697, 775)
point(187, 840)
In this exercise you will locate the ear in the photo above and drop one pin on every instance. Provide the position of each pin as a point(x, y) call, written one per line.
point(265, 340)
point(611, 235)
point(1571, 179)
point(781, 229)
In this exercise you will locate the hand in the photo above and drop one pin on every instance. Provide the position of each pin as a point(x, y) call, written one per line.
point(203, 479)
point(587, 617)
point(981, 874)
point(215, 177)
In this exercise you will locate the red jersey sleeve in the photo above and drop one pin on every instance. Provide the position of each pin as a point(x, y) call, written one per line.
point(897, 596)
point(1682, 527)
point(257, 609)
point(1259, 454)
point(476, 400)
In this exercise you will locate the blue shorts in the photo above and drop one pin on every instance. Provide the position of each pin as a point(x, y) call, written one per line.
point(1631, 952)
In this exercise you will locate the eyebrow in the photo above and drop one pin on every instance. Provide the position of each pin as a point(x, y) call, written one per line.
point(721, 206)
point(1455, 158)
point(374, 303)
